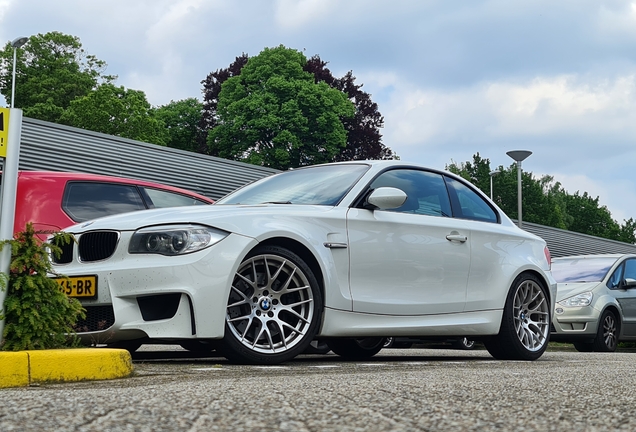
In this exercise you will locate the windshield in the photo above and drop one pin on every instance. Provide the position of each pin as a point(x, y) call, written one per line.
point(319, 185)
point(581, 269)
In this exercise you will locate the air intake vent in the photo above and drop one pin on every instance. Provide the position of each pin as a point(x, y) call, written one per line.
point(97, 245)
point(67, 254)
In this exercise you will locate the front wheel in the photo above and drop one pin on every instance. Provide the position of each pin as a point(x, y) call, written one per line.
point(607, 334)
point(525, 325)
point(273, 309)
point(356, 349)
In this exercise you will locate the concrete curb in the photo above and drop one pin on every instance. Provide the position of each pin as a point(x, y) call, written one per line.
point(23, 368)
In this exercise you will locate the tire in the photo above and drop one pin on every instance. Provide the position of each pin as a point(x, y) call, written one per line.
point(464, 344)
point(129, 345)
point(198, 346)
point(607, 333)
point(584, 346)
point(274, 308)
point(317, 347)
point(525, 325)
point(357, 349)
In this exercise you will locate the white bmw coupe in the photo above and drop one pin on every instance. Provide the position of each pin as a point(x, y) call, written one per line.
point(349, 253)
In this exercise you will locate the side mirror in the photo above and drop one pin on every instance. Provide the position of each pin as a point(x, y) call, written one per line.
point(385, 198)
point(628, 283)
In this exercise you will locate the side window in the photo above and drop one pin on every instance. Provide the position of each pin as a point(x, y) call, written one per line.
point(615, 280)
point(426, 191)
point(83, 201)
point(630, 269)
point(161, 199)
point(468, 204)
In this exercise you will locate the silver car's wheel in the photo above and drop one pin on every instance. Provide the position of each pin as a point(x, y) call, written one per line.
point(273, 308)
point(607, 335)
point(357, 349)
point(525, 326)
point(464, 344)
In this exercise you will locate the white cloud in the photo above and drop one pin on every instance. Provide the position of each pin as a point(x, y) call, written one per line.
point(295, 14)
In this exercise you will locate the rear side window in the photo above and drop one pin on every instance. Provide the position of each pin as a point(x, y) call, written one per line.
point(468, 204)
point(161, 199)
point(90, 200)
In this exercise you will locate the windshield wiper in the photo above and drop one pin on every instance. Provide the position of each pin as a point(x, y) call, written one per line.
point(277, 202)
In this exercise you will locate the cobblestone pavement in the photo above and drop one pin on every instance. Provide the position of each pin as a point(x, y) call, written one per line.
point(398, 390)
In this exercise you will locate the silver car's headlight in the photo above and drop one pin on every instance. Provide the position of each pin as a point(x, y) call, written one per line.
point(579, 300)
point(174, 239)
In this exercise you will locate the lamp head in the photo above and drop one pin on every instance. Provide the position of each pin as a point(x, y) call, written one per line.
point(519, 155)
point(18, 42)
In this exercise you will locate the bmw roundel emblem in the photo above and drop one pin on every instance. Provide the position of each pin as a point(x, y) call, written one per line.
point(265, 304)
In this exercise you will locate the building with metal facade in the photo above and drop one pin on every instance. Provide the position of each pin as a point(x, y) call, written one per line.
point(53, 147)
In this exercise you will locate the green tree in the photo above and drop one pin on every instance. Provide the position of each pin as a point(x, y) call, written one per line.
point(182, 120)
point(273, 113)
point(544, 201)
point(37, 314)
point(116, 111)
point(52, 70)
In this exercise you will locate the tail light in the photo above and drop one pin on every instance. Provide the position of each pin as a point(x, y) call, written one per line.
point(548, 257)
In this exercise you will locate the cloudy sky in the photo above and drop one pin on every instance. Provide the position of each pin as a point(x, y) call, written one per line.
point(451, 77)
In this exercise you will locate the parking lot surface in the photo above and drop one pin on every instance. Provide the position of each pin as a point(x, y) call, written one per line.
point(397, 390)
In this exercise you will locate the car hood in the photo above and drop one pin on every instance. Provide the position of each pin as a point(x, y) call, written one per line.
point(566, 290)
point(231, 218)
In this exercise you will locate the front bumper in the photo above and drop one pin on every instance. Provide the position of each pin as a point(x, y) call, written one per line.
point(573, 324)
point(159, 297)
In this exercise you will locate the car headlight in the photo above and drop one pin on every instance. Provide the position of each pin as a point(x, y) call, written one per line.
point(579, 300)
point(174, 239)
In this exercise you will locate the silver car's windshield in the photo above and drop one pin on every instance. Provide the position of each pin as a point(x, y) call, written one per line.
point(319, 185)
point(581, 269)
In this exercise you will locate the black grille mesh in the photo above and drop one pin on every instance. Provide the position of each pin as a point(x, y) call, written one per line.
point(97, 245)
point(67, 254)
point(97, 318)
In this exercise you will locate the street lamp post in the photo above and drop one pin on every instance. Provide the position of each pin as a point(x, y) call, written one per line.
point(492, 174)
point(519, 156)
point(17, 43)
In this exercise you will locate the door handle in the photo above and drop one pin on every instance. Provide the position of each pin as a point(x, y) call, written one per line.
point(456, 237)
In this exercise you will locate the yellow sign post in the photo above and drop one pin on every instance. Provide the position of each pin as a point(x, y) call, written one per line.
point(4, 131)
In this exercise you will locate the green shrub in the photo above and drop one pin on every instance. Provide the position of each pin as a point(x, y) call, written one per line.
point(37, 314)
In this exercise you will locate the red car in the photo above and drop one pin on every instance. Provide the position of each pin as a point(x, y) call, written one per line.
point(55, 200)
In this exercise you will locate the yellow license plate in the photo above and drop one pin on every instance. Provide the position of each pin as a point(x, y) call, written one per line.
point(78, 286)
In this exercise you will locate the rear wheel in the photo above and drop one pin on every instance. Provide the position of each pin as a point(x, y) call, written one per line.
point(129, 345)
point(273, 309)
point(464, 344)
point(317, 347)
point(525, 325)
point(584, 346)
point(357, 349)
point(198, 346)
point(607, 334)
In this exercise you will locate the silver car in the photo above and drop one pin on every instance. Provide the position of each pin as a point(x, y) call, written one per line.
point(596, 301)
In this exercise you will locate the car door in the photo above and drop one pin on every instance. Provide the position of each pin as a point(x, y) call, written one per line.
point(627, 298)
point(411, 260)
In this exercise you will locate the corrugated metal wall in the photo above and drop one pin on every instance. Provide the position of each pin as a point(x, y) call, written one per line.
point(564, 243)
point(52, 147)
point(49, 146)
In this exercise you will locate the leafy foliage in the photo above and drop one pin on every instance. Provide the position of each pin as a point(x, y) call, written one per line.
point(363, 139)
point(274, 114)
point(116, 111)
point(37, 314)
point(182, 119)
point(544, 201)
point(52, 70)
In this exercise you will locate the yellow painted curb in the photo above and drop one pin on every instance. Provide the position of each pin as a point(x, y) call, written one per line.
point(63, 365)
point(14, 369)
